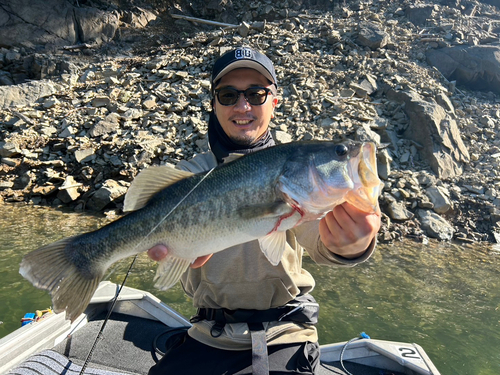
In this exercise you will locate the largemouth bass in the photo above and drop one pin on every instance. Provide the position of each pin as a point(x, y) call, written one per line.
point(257, 196)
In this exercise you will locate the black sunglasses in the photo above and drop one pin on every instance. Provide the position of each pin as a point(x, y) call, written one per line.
point(254, 95)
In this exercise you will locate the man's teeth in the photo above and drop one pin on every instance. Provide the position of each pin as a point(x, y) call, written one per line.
point(243, 122)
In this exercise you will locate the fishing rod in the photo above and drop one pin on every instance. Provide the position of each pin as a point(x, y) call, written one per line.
point(99, 334)
point(115, 299)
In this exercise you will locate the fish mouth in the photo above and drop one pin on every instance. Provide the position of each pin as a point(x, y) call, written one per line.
point(367, 185)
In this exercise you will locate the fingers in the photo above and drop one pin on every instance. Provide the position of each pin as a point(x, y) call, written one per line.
point(327, 227)
point(360, 223)
point(158, 252)
point(347, 231)
point(338, 228)
point(201, 261)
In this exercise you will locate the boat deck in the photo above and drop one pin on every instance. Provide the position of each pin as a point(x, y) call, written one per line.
point(129, 342)
point(141, 322)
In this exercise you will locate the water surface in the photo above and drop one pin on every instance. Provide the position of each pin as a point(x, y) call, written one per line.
point(444, 297)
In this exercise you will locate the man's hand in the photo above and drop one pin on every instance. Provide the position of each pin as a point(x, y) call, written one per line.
point(347, 231)
point(159, 252)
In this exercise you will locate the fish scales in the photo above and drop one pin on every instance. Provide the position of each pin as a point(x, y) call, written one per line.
point(258, 196)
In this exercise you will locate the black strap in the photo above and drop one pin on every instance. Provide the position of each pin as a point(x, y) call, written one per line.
point(303, 309)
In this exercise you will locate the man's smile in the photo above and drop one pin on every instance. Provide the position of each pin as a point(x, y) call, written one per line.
point(243, 122)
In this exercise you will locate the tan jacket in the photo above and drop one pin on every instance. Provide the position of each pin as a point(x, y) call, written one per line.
point(241, 277)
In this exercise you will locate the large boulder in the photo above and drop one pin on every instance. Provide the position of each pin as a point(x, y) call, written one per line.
point(59, 22)
point(36, 22)
point(419, 14)
point(432, 127)
point(372, 35)
point(435, 226)
point(95, 25)
point(26, 93)
point(475, 67)
point(111, 191)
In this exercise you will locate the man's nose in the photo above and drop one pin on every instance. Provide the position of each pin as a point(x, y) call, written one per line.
point(242, 104)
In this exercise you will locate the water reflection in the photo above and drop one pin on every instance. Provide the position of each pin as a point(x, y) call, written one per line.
point(445, 297)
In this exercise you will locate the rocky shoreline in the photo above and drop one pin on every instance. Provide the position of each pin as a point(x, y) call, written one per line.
point(78, 122)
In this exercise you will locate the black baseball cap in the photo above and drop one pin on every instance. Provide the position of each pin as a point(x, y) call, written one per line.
point(244, 57)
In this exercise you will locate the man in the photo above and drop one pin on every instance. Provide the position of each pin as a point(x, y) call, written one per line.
point(245, 303)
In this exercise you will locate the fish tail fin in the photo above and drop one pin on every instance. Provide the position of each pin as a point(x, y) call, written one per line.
point(51, 268)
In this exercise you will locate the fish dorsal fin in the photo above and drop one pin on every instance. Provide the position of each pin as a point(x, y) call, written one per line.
point(232, 157)
point(170, 270)
point(273, 246)
point(149, 182)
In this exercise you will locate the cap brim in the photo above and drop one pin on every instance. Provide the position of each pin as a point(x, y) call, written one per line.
point(245, 64)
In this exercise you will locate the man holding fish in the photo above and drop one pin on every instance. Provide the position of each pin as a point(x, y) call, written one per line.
point(246, 301)
point(232, 224)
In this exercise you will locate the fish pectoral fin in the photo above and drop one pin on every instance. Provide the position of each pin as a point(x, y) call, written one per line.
point(52, 268)
point(170, 270)
point(149, 182)
point(273, 246)
point(274, 209)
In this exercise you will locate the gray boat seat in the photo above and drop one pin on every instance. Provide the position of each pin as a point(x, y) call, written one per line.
point(50, 362)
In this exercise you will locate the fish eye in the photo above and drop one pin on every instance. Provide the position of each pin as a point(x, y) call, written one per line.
point(341, 150)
